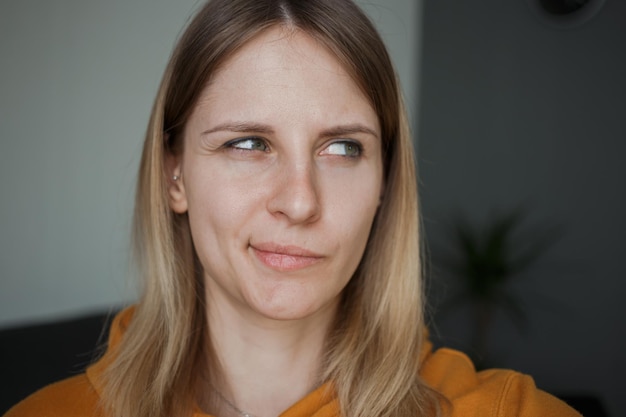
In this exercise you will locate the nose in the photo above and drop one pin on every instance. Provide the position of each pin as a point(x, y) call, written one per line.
point(296, 194)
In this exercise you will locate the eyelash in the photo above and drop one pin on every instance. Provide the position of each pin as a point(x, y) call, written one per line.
point(358, 146)
point(232, 144)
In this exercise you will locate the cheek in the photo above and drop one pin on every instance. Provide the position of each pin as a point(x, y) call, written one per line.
point(220, 206)
point(222, 193)
point(353, 202)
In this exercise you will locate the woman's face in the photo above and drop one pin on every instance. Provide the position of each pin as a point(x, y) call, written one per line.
point(281, 176)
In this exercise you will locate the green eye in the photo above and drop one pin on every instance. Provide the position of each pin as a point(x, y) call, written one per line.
point(346, 148)
point(249, 144)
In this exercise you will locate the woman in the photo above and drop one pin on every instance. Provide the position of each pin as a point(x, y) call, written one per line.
point(276, 230)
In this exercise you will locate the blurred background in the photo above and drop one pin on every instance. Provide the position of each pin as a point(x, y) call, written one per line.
point(522, 119)
point(519, 114)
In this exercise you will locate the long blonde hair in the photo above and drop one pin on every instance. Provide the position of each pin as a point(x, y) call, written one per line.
point(374, 350)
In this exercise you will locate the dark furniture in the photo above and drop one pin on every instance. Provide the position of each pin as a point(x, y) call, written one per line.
point(34, 356)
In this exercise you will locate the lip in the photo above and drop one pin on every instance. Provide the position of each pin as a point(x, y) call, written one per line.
point(285, 257)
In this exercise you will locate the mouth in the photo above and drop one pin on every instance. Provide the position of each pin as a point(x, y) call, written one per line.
point(285, 258)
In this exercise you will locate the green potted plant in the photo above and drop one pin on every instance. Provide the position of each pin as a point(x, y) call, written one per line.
point(483, 263)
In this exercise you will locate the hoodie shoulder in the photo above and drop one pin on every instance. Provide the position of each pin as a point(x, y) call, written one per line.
point(493, 392)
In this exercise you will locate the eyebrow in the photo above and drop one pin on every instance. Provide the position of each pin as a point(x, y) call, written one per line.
point(334, 131)
point(240, 127)
point(349, 129)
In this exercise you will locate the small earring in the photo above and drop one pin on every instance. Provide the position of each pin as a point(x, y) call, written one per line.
point(175, 177)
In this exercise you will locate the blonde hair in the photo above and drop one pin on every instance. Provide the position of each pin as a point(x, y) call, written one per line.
point(373, 353)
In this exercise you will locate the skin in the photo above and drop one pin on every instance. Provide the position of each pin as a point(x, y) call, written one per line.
point(281, 176)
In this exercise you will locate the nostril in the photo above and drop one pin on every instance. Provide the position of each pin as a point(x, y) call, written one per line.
point(297, 198)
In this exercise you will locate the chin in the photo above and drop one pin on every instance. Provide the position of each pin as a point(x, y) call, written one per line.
point(295, 307)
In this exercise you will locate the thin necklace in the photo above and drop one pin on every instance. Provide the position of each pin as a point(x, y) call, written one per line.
point(231, 405)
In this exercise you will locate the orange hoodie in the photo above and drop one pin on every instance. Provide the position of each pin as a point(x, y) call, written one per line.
point(491, 393)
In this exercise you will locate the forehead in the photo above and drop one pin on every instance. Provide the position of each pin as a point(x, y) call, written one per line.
point(285, 48)
point(281, 67)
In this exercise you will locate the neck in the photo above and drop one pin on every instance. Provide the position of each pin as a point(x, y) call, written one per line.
point(265, 365)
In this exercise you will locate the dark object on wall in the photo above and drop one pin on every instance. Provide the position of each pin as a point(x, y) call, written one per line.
point(34, 356)
point(563, 7)
point(565, 14)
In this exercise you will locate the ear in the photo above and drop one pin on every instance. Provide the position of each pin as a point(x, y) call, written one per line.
point(175, 183)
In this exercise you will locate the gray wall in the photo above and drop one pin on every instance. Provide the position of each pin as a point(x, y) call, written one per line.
point(77, 82)
point(514, 111)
